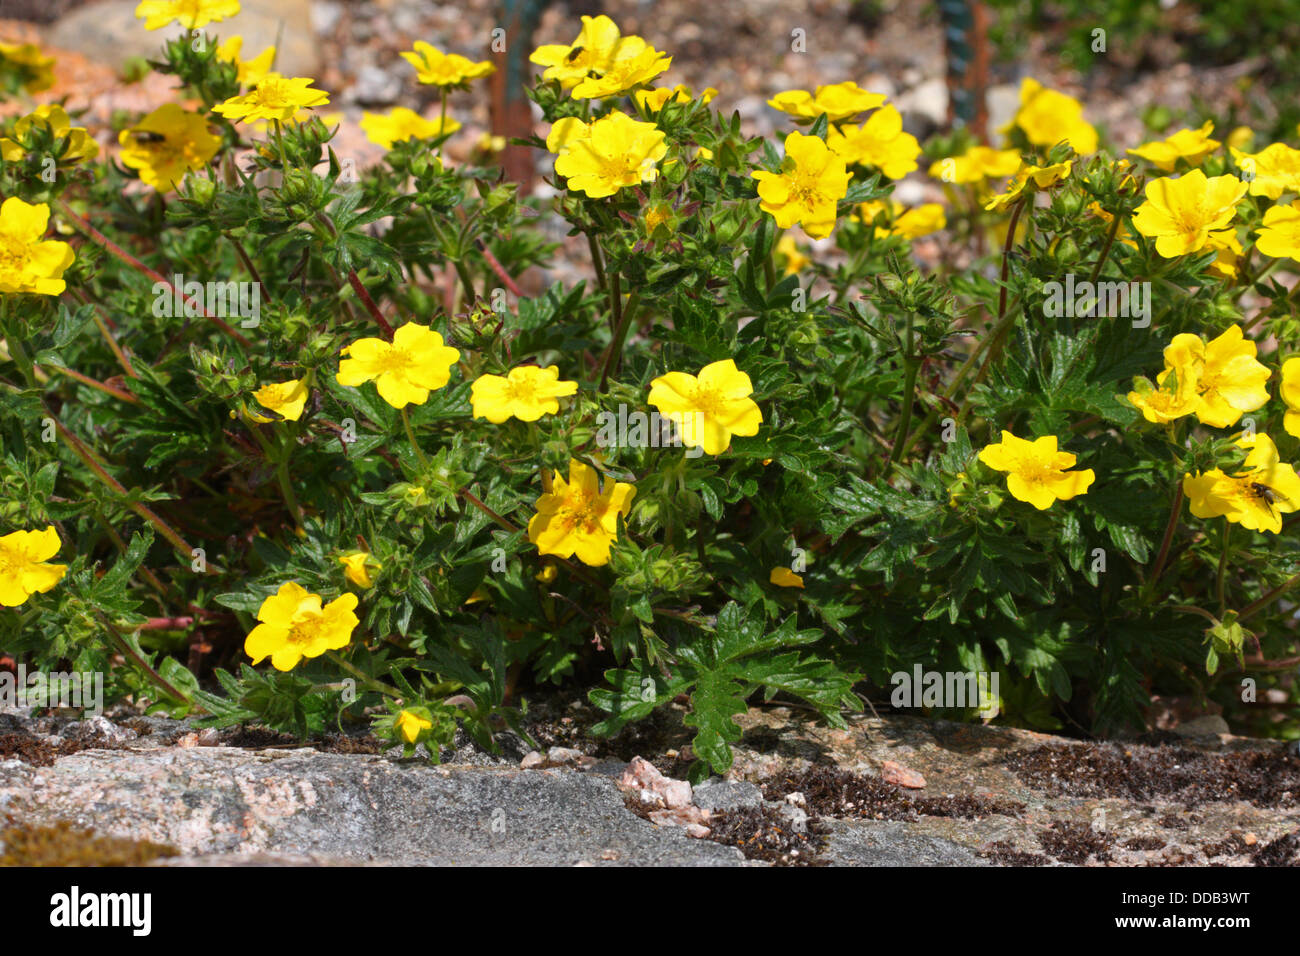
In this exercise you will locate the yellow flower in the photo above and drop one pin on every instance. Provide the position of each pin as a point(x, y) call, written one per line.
point(34, 67)
point(1047, 117)
point(295, 625)
point(436, 68)
point(838, 101)
point(924, 219)
point(1036, 470)
point(1290, 391)
point(653, 101)
point(879, 142)
point(1190, 145)
point(1121, 234)
point(1279, 234)
point(526, 393)
point(355, 568)
point(1161, 405)
point(404, 370)
point(1225, 372)
point(286, 399)
point(27, 262)
point(976, 165)
point(191, 14)
point(1229, 250)
point(1270, 172)
point(613, 152)
point(411, 725)
point(489, 145)
point(167, 144)
point(249, 72)
point(577, 517)
point(1031, 178)
point(785, 578)
point(403, 124)
point(566, 133)
point(795, 260)
point(548, 573)
point(275, 97)
point(898, 220)
point(710, 408)
point(622, 73)
point(1240, 138)
point(1180, 214)
point(597, 45)
point(1255, 497)
point(811, 182)
point(53, 117)
point(23, 567)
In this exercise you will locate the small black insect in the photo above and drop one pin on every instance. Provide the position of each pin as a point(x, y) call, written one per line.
point(1265, 493)
point(573, 54)
point(148, 136)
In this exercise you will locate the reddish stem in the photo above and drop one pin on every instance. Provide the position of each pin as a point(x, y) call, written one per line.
point(499, 270)
point(369, 303)
point(144, 270)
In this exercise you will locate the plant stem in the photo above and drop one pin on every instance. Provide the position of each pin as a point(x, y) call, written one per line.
point(94, 383)
point(163, 528)
point(362, 676)
point(1262, 602)
point(108, 337)
point(912, 366)
point(623, 322)
point(596, 260)
point(996, 343)
point(1165, 541)
point(364, 295)
point(462, 273)
point(1105, 250)
point(1223, 567)
point(127, 651)
point(108, 244)
point(410, 436)
point(286, 489)
point(499, 269)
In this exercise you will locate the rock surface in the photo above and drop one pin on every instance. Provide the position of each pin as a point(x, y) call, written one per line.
point(993, 796)
point(110, 33)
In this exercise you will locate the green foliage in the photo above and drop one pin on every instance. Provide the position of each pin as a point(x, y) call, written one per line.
point(183, 503)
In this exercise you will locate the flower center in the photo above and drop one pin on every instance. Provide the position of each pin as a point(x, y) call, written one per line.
point(275, 93)
point(581, 512)
point(396, 361)
point(522, 391)
point(709, 401)
point(805, 190)
point(303, 632)
point(13, 254)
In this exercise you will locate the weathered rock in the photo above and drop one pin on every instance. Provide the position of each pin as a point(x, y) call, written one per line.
point(642, 777)
point(900, 776)
point(718, 794)
point(110, 33)
point(345, 808)
point(994, 795)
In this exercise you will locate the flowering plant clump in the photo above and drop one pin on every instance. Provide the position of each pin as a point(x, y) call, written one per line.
point(289, 441)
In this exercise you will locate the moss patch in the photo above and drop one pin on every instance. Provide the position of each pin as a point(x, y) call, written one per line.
point(65, 844)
